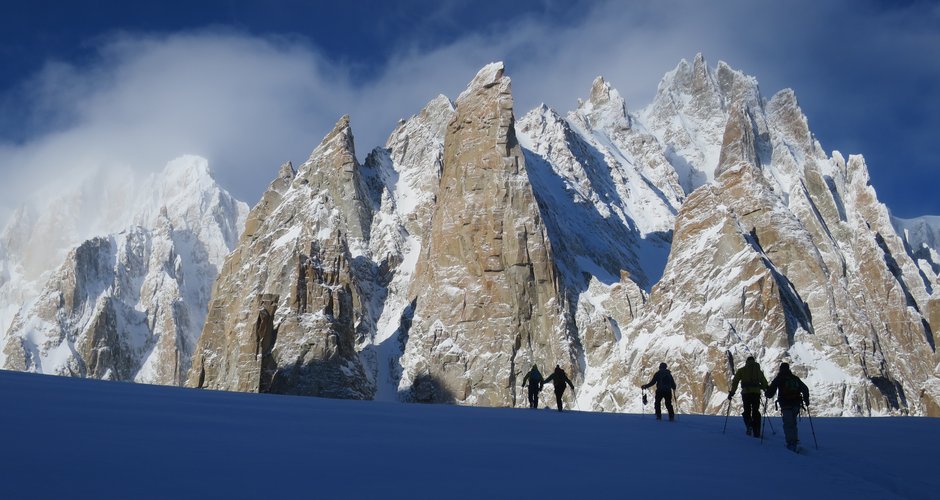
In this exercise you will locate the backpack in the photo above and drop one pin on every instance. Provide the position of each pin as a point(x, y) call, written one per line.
point(750, 377)
point(790, 389)
point(664, 381)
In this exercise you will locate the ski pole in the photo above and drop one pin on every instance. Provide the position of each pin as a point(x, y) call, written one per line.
point(727, 413)
point(812, 427)
point(675, 397)
point(769, 420)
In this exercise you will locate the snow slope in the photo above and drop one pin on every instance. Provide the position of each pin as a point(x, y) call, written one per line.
point(81, 438)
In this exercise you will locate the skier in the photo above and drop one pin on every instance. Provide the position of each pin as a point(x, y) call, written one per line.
point(665, 384)
point(534, 379)
point(752, 382)
point(793, 392)
point(559, 378)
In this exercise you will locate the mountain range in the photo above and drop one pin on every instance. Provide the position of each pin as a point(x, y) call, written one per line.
point(476, 243)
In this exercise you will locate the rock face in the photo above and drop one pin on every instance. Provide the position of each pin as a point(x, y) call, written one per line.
point(605, 241)
point(787, 255)
point(129, 306)
point(471, 246)
point(52, 222)
point(486, 295)
point(285, 307)
point(404, 178)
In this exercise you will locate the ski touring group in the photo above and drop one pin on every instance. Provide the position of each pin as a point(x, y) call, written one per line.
point(792, 395)
point(535, 382)
point(792, 398)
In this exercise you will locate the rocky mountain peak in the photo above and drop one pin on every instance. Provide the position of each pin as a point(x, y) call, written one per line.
point(701, 78)
point(341, 133)
point(486, 297)
point(784, 111)
point(129, 305)
point(605, 109)
point(739, 143)
point(678, 78)
point(404, 176)
point(436, 114)
point(333, 168)
point(336, 148)
point(707, 91)
point(736, 87)
point(539, 117)
point(600, 91)
point(488, 76)
point(287, 304)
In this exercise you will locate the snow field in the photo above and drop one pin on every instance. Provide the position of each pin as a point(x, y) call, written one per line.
point(92, 439)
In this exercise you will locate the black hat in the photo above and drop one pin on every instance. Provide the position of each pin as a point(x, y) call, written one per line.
point(662, 366)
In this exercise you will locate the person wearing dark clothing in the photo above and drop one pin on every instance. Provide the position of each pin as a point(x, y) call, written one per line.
point(753, 383)
point(559, 378)
point(665, 385)
point(535, 382)
point(793, 395)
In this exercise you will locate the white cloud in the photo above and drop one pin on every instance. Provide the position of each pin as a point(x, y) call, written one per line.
point(244, 102)
point(249, 103)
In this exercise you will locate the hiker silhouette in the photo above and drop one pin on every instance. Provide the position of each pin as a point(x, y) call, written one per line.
point(752, 382)
point(559, 378)
point(793, 396)
point(535, 382)
point(665, 385)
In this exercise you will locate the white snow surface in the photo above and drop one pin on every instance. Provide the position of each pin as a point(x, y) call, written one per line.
point(140, 441)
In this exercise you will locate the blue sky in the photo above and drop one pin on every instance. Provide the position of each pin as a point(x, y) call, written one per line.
point(106, 84)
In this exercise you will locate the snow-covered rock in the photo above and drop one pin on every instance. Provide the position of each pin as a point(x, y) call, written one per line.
point(405, 178)
point(287, 304)
point(472, 245)
point(921, 236)
point(130, 305)
point(605, 241)
point(486, 294)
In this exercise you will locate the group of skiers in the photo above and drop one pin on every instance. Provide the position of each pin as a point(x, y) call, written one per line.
point(535, 383)
point(792, 394)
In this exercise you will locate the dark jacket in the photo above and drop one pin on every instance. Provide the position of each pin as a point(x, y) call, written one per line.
point(559, 378)
point(534, 377)
point(792, 390)
point(662, 380)
point(751, 377)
